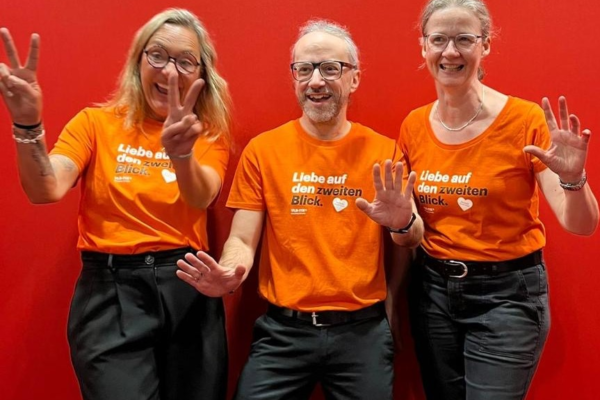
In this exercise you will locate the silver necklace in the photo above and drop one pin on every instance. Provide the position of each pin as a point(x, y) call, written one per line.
point(460, 128)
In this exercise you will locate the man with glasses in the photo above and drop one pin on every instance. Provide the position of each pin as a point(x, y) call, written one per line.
point(321, 267)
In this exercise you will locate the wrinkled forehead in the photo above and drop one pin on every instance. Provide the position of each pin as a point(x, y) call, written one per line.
point(319, 46)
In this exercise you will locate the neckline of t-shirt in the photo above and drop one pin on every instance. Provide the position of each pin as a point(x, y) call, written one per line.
point(324, 143)
point(475, 140)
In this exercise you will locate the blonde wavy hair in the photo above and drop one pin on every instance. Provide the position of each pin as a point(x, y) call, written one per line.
point(213, 106)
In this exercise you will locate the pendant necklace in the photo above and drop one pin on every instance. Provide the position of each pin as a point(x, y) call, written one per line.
point(460, 128)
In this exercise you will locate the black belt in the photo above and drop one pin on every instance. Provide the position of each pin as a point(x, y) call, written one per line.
point(327, 318)
point(125, 260)
point(461, 269)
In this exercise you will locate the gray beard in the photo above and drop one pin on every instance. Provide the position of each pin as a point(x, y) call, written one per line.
point(323, 115)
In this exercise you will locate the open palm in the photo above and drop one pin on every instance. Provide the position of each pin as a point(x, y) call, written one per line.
point(392, 206)
point(568, 152)
point(207, 276)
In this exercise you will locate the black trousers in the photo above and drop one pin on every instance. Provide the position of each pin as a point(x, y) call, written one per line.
point(136, 331)
point(351, 361)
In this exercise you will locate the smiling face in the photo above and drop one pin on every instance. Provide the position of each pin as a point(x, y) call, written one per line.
point(177, 41)
point(321, 100)
point(453, 67)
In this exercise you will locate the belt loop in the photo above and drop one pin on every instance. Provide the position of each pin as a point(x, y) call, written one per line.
point(113, 270)
point(109, 263)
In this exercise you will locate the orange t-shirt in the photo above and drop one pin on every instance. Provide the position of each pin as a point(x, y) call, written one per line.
point(130, 201)
point(479, 200)
point(319, 251)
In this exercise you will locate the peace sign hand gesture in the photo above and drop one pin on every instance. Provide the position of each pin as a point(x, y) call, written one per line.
point(18, 83)
point(568, 151)
point(182, 128)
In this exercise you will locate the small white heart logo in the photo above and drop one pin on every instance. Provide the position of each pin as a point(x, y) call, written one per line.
point(169, 176)
point(464, 204)
point(339, 204)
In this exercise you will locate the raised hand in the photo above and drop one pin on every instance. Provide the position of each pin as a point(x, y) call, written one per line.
point(207, 276)
point(392, 206)
point(18, 84)
point(182, 128)
point(568, 151)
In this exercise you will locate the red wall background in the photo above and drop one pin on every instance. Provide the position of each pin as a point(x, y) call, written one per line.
point(543, 49)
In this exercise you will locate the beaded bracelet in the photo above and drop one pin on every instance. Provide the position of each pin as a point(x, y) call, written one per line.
point(34, 139)
point(29, 135)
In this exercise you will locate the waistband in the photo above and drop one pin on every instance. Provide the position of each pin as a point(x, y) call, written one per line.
point(461, 269)
point(328, 318)
point(134, 260)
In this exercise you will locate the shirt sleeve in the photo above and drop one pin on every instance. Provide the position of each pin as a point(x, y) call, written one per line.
point(247, 187)
point(538, 135)
point(76, 140)
point(214, 154)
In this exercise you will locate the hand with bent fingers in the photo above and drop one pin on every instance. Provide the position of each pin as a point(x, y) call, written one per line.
point(207, 276)
point(182, 128)
point(392, 206)
point(568, 151)
point(18, 83)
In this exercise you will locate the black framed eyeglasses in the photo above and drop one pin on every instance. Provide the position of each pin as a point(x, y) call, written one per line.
point(330, 70)
point(463, 41)
point(158, 58)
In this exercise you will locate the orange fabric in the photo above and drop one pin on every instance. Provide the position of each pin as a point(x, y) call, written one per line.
point(319, 251)
point(130, 201)
point(479, 200)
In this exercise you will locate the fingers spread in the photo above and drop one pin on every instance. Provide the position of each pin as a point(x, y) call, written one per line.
point(389, 175)
point(187, 269)
point(412, 178)
point(377, 182)
point(209, 262)
point(585, 135)
point(398, 175)
point(173, 95)
point(550, 119)
point(536, 151)
point(10, 49)
point(575, 124)
point(196, 263)
point(362, 204)
point(186, 277)
point(563, 113)
point(192, 96)
point(4, 75)
point(34, 52)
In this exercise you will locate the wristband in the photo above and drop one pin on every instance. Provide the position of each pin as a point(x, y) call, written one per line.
point(181, 157)
point(406, 228)
point(27, 127)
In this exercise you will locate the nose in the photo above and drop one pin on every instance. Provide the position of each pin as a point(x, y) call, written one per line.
point(451, 48)
point(316, 79)
point(170, 67)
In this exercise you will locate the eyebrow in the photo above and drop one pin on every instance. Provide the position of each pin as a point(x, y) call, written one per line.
point(159, 43)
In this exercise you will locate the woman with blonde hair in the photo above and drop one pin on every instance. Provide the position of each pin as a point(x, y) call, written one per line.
point(150, 161)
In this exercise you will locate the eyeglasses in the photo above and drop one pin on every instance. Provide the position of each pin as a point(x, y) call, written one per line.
point(463, 41)
point(159, 58)
point(329, 70)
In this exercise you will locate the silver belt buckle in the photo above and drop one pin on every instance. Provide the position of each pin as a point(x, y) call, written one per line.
point(462, 264)
point(314, 316)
